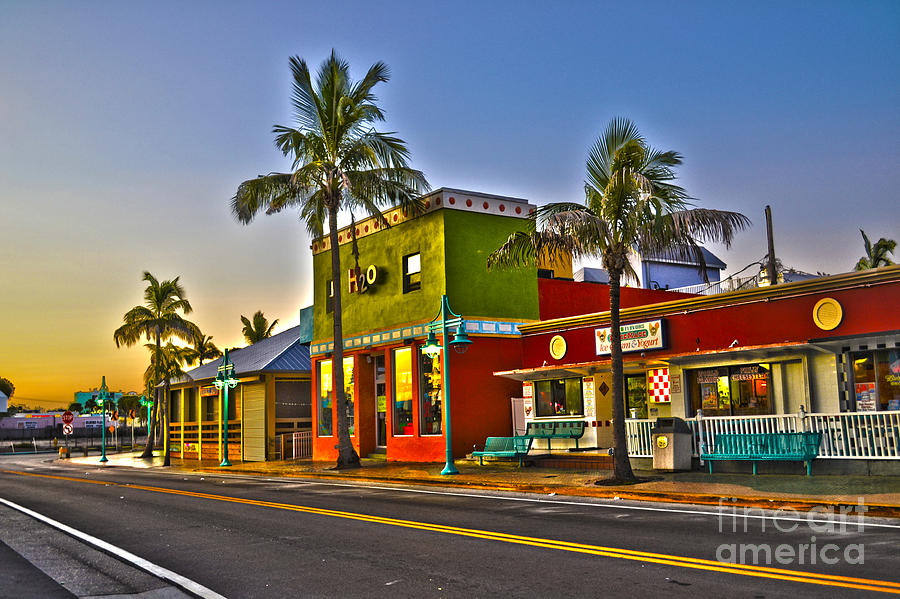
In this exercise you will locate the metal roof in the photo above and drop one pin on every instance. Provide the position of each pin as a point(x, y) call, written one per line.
point(712, 261)
point(284, 352)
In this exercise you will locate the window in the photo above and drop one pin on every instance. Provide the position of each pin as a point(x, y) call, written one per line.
point(190, 405)
point(403, 392)
point(292, 400)
point(175, 406)
point(430, 394)
point(348, 392)
point(412, 272)
point(560, 397)
point(734, 390)
point(636, 396)
point(325, 397)
point(544, 273)
point(211, 408)
point(329, 296)
point(876, 380)
point(232, 401)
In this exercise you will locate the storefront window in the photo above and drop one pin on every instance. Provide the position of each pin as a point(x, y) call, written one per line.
point(876, 380)
point(175, 406)
point(727, 391)
point(348, 392)
point(325, 397)
point(403, 392)
point(559, 397)
point(190, 404)
point(431, 394)
point(636, 396)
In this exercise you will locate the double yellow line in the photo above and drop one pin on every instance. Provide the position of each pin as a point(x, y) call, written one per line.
point(847, 582)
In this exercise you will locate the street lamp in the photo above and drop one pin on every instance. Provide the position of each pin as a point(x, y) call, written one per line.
point(225, 380)
point(447, 319)
point(103, 396)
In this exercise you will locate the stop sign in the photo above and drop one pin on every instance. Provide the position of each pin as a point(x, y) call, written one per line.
point(68, 417)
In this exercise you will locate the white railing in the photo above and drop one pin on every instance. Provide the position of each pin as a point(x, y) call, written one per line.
point(295, 446)
point(717, 287)
point(848, 435)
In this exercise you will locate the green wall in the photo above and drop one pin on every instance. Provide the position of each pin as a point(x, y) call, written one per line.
point(455, 239)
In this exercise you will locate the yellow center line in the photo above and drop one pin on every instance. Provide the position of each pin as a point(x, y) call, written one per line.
point(868, 584)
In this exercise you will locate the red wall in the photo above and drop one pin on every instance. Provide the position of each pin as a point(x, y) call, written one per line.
point(559, 299)
point(773, 321)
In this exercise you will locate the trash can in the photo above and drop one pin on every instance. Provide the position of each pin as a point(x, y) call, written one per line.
point(671, 444)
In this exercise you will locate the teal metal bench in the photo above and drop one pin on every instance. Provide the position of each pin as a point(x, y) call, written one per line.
point(765, 447)
point(505, 447)
point(556, 429)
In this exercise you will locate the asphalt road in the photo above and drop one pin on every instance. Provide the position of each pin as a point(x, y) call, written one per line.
point(255, 537)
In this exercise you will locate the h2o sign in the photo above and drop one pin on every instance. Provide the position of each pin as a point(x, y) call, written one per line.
point(365, 279)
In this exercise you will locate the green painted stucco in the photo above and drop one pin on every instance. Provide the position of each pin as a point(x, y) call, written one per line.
point(454, 246)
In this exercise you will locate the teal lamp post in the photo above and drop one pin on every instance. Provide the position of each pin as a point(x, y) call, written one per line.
point(147, 403)
point(224, 381)
point(103, 396)
point(446, 319)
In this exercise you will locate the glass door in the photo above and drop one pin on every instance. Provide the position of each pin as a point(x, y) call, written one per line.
point(380, 403)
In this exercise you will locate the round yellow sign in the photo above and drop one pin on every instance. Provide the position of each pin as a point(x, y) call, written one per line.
point(827, 314)
point(662, 442)
point(557, 347)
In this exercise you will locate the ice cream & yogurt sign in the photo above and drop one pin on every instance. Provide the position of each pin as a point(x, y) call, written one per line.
point(639, 336)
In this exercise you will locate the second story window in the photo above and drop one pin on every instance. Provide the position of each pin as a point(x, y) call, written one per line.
point(412, 272)
point(329, 297)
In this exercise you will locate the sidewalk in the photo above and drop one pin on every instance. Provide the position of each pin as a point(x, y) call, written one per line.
point(881, 494)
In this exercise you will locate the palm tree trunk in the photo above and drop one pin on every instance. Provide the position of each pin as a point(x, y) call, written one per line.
point(167, 459)
point(347, 456)
point(621, 464)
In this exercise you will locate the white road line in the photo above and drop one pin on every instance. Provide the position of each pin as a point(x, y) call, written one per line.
point(158, 571)
point(729, 510)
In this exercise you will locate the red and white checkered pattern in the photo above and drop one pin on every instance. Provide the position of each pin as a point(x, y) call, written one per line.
point(658, 385)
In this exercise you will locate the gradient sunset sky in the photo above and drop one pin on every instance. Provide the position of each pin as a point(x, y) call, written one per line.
point(125, 128)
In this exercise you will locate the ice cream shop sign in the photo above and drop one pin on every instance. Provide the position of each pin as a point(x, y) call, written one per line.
point(639, 336)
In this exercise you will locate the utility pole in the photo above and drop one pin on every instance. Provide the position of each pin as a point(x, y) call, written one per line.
point(771, 274)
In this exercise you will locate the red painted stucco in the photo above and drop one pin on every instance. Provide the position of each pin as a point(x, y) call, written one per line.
point(776, 320)
point(559, 299)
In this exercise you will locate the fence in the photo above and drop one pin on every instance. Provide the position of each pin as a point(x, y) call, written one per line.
point(847, 435)
point(295, 446)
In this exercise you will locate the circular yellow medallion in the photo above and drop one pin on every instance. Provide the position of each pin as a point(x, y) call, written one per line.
point(557, 347)
point(827, 314)
point(662, 442)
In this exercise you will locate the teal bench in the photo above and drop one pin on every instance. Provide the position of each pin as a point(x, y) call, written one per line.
point(556, 429)
point(505, 447)
point(765, 447)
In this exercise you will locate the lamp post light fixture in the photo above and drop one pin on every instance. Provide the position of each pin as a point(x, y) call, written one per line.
point(444, 321)
point(225, 380)
point(146, 402)
point(103, 396)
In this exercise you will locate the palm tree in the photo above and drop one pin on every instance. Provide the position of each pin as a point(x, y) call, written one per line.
point(631, 204)
point(157, 320)
point(258, 329)
point(339, 162)
point(876, 255)
point(165, 365)
point(203, 349)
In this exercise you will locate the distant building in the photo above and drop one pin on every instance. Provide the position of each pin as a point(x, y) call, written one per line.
point(84, 397)
point(660, 271)
point(4, 402)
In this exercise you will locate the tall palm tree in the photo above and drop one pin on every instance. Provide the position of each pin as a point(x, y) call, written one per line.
point(165, 365)
point(631, 204)
point(257, 329)
point(158, 319)
point(877, 254)
point(339, 163)
point(203, 349)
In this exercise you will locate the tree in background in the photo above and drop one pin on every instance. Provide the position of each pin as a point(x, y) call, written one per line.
point(877, 254)
point(76, 407)
point(7, 387)
point(339, 163)
point(631, 203)
point(204, 349)
point(158, 319)
point(165, 365)
point(257, 329)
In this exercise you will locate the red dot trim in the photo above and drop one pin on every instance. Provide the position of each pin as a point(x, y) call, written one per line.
point(437, 202)
point(485, 205)
point(469, 203)
point(427, 204)
point(367, 228)
point(518, 210)
point(452, 201)
point(395, 218)
point(502, 207)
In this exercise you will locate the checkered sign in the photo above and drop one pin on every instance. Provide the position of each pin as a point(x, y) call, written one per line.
point(658, 385)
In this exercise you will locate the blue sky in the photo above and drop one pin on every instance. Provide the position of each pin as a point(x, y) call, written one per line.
point(126, 127)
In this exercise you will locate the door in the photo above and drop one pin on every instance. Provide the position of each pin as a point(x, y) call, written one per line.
point(380, 403)
point(253, 423)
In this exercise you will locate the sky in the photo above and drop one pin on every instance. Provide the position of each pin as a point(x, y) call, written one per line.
point(126, 127)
